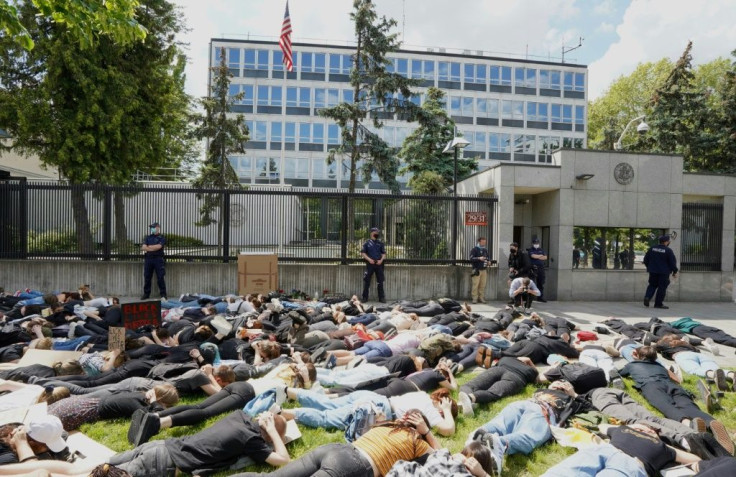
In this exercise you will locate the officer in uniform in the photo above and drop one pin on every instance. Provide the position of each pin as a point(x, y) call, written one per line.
point(537, 257)
point(660, 262)
point(374, 253)
point(479, 259)
point(153, 248)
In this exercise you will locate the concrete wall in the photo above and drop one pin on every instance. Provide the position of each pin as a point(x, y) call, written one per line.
point(125, 278)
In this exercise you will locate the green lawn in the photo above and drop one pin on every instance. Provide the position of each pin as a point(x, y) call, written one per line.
point(113, 433)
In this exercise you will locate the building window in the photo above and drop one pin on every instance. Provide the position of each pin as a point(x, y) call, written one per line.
point(545, 146)
point(269, 95)
point(524, 144)
point(422, 69)
point(512, 109)
point(296, 168)
point(256, 59)
point(290, 132)
point(477, 141)
point(322, 170)
point(277, 131)
point(242, 165)
point(461, 106)
point(278, 61)
point(499, 142)
point(347, 96)
point(501, 75)
point(233, 58)
point(333, 134)
point(579, 114)
point(549, 79)
point(248, 94)
point(340, 64)
point(572, 142)
point(258, 130)
point(486, 108)
point(326, 97)
point(311, 133)
point(567, 113)
point(475, 73)
point(267, 168)
point(298, 97)
point(232, 91)
point(448, 71)
point(537, 111)
point(402, 67)
point(526, 77)
point(574, 81)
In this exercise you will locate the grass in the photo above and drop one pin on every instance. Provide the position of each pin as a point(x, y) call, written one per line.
point(113, 433)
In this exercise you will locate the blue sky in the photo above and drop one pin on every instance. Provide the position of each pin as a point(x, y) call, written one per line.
point(618, 34)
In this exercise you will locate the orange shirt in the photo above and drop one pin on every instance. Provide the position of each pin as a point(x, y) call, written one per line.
point(386, 446)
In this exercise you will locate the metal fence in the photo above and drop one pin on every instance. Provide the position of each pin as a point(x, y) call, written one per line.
point(702, 237)
point(44, 220)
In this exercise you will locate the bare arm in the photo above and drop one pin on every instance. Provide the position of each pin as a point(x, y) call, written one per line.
point(280, 456)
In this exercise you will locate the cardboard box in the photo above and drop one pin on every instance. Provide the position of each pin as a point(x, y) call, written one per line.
point(257, 273)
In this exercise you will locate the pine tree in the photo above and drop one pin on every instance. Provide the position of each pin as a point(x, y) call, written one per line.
point(374, 88)
point(422, 149)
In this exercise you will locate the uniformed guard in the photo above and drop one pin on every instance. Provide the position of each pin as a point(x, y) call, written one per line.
point(374, 253)
point(153, 248)
point(537, 257)
point(660, 262)
point(479, 260)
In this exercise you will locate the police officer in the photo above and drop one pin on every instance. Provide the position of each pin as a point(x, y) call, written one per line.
point(479, 260)
point(153, 248)
point(537, 256)
point(374, 253)
point(660, 262)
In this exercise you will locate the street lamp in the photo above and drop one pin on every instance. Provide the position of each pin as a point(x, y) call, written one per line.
point(642, 128)
point(455, 145)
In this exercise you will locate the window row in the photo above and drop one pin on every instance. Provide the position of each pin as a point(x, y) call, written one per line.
point(515, 109)
point(291, 132)
point(452, 71)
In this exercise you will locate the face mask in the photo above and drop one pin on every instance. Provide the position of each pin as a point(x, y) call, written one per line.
point(374, 236)
point(512, 250)
point(153, 231)
point(536, 245)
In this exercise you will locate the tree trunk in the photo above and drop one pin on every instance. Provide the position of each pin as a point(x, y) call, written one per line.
point(85, 242)
point(121, 230)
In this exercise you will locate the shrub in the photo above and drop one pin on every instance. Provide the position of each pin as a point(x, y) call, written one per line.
point(174, 240)
point(52, 241)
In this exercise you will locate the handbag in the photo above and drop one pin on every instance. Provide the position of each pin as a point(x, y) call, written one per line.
point(353, 342)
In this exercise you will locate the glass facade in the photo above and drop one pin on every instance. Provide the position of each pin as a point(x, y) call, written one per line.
point(510, 110)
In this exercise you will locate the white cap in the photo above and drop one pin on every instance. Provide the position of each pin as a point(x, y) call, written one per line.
point(47, 430)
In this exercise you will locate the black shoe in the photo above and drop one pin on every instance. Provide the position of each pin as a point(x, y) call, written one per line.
point(382, 300)
point(541, 300)
point(135, 424)
point(148, 428)
point(662, 307)
point(646, 301)
point(145, 297)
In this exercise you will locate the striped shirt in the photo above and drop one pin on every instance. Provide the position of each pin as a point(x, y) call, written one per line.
point(385, 447)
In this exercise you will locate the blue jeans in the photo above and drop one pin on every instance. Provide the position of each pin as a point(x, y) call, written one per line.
point(364, 319)
point(321, 411)
point(30, 294)
point(350, 377)
point(70, 344)
point(169, 304)
point(38, 300)
point(374, 349)
point(695, 363)
point(499, 343)
point(521, 426)
point(601, 461)
point(627, 350)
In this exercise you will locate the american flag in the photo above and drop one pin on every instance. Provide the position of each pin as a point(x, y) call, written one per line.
point(285, 39)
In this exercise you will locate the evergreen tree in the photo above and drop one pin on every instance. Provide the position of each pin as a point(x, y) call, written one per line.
point(422, 149)
point(98, 114)
point(728, 120)
point(376, 91)
point(226, 136)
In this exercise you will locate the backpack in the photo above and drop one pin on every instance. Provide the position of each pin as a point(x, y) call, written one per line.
point(361, 420)
point(436, 345)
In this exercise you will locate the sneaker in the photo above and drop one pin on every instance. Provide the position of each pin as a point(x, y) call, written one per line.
point(317, 355)
point(613, 352)
point(474, 302)
point(135, 424)
point(662, 307)
point(277, 306)
point(331, 362)
point(618, 383)
point(712, 347)
point(145, 297)
point(274, 409)
point(541, 300)
point(164, 298)
point(705, 395)
point(698, 424)
point(721, 383)
point(646, 301)
point(497, 453)
point(648, 339)
point(221, 324)
point(466, 404)
point(281, 395)
point(72, 326)
point(149, 427)
point(721, 434)
point(677, 372)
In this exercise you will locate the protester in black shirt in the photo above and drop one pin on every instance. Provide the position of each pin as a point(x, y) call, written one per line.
point(510, 376)
point(216, 447)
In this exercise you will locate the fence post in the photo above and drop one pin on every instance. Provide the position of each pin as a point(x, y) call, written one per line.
point(225, 226)
point(454, 229)
point(107, 224)
point(23, 214)
point(344, 232)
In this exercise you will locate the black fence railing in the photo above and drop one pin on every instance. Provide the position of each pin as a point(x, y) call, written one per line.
point(702, 237)
point(54, 220)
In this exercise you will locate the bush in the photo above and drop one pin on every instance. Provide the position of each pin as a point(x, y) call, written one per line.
point(52, 241)
point(174, 240)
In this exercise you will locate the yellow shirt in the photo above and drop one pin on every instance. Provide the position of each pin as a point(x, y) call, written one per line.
point(387, 445)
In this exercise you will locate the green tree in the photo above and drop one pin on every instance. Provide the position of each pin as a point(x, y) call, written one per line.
point(422, 149)
point(728, 120)
point(374, 88)
point(226, 136)
point(626, 98)
point(85, 21)
point(99, 114)
point(682, 123)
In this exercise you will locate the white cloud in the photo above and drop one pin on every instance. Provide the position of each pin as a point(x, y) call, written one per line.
point(606, 7)
point(653, 29)
point(605, 27)
point(501, 28)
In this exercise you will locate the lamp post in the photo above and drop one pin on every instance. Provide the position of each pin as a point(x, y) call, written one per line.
point(455, 145)
point(642, 128)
